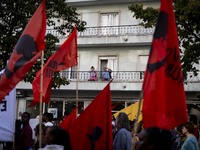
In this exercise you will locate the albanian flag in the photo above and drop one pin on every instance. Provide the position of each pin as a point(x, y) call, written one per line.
point(92, 130)
point(64, 58)
point(26, 52)
point(65, 124)
point(164, 103)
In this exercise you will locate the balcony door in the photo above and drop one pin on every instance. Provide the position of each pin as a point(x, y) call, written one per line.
point(108, 61)
point(142, 64)
point(109, 23)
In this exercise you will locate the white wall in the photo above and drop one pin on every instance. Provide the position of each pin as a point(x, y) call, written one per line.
point(127, 56)
point(90, 14)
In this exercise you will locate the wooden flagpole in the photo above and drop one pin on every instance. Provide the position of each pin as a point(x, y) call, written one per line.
point(136, 121)
point(77, 89)
point(41, 85)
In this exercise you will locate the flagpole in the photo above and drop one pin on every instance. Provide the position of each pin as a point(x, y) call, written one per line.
point(136, 121)
point(41, 84)
point(77, 89)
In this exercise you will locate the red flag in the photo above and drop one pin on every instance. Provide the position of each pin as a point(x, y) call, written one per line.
point(65, 124)
point(64, 58)
point(115, 105)
point(164, 103)
point(26, 52)
point(93, 128)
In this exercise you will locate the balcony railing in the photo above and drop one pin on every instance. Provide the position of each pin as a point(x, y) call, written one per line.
point(129, 76)
point(116, 75)
point(108, 31)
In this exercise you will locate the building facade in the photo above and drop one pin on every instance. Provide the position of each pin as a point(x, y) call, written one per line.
point(112, 39)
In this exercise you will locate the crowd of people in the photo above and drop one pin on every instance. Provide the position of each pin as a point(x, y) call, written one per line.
point(184, 137)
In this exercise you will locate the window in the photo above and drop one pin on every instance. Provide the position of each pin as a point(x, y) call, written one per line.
point(109, 61)
point(142, 63)
point(109, 21)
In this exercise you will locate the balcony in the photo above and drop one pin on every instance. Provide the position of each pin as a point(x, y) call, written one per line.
point(118, 76)
point(122, 81)
point(107, 31)
point(110, 35)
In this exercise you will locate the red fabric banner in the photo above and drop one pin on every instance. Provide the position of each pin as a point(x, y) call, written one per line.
point(164, 103)
point(65, 124)
point(26, 52)
point(93, 129)
point(64, 58)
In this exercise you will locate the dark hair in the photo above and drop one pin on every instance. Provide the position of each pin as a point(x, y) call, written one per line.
point(61, 137)
point(139, 128)
point(189, 126)
point(193, 118)
point(37, 128)
point(29, 116)
point(45, 113)
point(49, 116)
point(160, 137)
point(92, 67)
point(122, 121)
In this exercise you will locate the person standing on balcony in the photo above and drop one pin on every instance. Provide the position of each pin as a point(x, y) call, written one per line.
point(93, 76)
point(105, 74)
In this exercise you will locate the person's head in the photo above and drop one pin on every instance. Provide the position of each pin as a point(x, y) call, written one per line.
point(105, 68)
point(193, 119)
point(188, 127)
point(49, 117)
point(36, 129)
point(154, 138)
point(92, 68)
point(44, 116)
point(25, 118)
point(57, 135)
point(122, 121)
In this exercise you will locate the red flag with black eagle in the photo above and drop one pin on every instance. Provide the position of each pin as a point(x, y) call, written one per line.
point(64, 58)
point(93, 129)
point(26, 52)
point(67, 122)
point(164, 103)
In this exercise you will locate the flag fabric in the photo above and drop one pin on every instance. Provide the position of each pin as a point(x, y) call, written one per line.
point(7, 116)
point(64, 58)
point(67, 122)
point(26, 52)
point(131, 111)
point(93, 129)
point(164, 103)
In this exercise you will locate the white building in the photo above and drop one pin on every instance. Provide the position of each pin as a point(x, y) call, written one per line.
point(114, 39)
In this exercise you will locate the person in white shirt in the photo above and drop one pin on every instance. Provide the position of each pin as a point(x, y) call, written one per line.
point(48, 119)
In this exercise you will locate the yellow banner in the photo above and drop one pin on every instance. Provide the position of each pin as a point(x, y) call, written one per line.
point(131, 111)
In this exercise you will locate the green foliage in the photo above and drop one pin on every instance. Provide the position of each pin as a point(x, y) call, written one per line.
point(187, 16)
point(14, 16)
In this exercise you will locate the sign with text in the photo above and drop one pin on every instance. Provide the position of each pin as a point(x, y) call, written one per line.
point(7, 116)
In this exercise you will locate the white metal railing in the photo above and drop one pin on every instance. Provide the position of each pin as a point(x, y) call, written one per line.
point(108, 31)
point(116, 75)
point(131, 76)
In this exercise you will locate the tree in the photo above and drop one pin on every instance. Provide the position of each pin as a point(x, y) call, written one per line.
point(187, 16)
point(14, 16)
